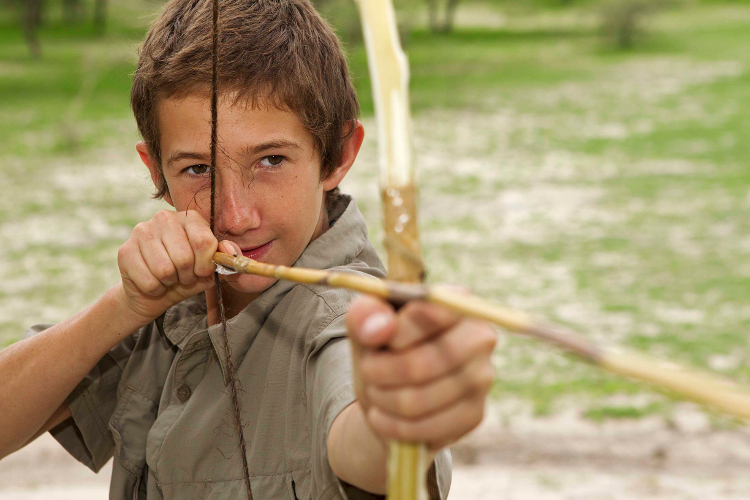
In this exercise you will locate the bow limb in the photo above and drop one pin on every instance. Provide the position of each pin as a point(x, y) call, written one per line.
point(389, 73)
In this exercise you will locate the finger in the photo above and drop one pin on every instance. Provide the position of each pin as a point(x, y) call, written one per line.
point(135, 270)
point(180, 252)
point(371, 322)
point(437, 430)
point(419, 321)
point(159, 264)
point(428, 361)
point(476, 377)
point(156, 258)
point(202, 241)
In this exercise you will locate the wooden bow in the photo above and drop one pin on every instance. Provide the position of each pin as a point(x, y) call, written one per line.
point(389, 74)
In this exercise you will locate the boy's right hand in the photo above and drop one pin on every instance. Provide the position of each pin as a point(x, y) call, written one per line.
point(165, 261)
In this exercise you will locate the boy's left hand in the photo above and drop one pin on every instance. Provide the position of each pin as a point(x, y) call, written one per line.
point(422, 373)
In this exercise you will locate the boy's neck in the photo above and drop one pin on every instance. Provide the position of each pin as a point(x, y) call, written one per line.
point(235, 301)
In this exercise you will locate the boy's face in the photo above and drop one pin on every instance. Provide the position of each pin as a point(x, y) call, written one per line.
point(269, 196)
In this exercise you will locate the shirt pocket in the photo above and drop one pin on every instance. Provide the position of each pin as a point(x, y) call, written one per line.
point(298, 484)
point(131, 421)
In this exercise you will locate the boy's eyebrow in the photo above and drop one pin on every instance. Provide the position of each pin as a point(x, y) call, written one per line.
point(191, 155)
point(247, 150)
point(273, 144)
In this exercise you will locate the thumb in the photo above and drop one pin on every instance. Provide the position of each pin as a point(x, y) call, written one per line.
point(371, 322)
point(230, 247)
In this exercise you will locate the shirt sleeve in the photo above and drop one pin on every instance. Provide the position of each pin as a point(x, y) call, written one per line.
point(86, 435)
point(330, 390)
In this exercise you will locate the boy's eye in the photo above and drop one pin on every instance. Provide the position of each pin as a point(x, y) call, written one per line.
point(197, 169)
point(271, 161)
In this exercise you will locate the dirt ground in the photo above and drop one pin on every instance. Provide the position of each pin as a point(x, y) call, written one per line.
point(558, 457)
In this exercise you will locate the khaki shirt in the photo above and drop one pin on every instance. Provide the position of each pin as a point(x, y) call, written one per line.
point(159, 401)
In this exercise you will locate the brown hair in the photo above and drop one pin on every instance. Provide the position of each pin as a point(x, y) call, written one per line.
point(276, 51)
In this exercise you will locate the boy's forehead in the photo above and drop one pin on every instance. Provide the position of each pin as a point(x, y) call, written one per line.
point(186, 120)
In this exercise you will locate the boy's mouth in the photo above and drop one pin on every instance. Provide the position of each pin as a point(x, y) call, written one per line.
point(257, 253)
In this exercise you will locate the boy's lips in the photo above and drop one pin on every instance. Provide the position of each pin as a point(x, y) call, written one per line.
point(257, 253)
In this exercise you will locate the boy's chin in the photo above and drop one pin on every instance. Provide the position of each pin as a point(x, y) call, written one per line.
point(250, 284)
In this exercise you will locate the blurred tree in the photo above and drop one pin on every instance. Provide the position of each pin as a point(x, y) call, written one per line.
point(100, 16)
point(32, 18)
point(71, 11)
point(622, 19)
point(433, 12)
point(344, 17)
point(407, 12)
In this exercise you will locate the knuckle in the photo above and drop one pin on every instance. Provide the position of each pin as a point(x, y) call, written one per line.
point(490, 338)
point(415, 370)
point(163, 216)
point(183, 262)
point(448, 354)
point(152, 287)
point(193, 215)
point(367, 370)
point(431, 316)
point(384, 425)
point(411, 319)
point(484, 336)
point(409, 308)
point(203, 271)
point(142, 229)
point(402, 430)
point(164, 272)
point(477, 415)
point(203, 241)
point(123, 251)
point(405, 371)
point(364, 359)
point(485, 378)
point(420, 313)
point(368, 393)
point(407, 404)
point(437, 445)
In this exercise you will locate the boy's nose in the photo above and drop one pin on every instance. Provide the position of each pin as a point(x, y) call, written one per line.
point(236, 212)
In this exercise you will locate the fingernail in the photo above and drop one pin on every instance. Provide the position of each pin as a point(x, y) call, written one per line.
point(230, 247)
point(373, 324)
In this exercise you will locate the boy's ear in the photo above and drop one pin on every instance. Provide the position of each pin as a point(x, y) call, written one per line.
point(156, 176)
point(349, 151)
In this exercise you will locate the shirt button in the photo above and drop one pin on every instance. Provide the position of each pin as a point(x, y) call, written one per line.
point(183, 393)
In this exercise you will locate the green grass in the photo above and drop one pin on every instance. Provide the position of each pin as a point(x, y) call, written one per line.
point(600, 414)
point(458, 70)
point(603, 190)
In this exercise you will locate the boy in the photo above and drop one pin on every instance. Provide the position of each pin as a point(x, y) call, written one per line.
point(157, 399)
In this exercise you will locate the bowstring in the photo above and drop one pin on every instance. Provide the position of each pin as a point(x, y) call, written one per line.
point(233, 382)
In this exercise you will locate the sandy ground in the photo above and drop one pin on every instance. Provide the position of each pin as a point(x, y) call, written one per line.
point(557, 457)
